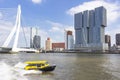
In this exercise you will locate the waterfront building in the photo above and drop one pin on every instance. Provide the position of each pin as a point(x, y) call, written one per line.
point(118, 39)
point(108, 40)
point(48, 45)
point(36, 42)
point(58, 46)
point(90, 29)
point(69, 41)
point(35, 39)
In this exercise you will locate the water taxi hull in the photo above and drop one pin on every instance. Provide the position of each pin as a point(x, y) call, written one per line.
point(49, 68)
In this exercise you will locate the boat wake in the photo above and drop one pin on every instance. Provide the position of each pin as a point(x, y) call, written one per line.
point(16, 72)
point(20, 68)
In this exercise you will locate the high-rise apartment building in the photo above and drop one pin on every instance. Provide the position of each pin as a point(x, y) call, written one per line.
point(90, 29)
point(108, 40)
point(118, 39)
point(48, 44)
point(69, 41)
point(35, 39)
point(36, 42)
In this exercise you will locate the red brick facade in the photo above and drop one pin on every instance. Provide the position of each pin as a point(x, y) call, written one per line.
point(58, 45)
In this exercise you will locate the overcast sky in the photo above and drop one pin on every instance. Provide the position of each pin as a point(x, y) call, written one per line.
point(53, 16)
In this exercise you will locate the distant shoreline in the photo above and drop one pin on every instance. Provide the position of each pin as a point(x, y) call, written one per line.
point(67, 52)
point(97, 52)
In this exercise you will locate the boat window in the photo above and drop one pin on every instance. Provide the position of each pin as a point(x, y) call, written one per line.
point(46, 62)
point(42, 64)
point(31, 64)
point(38, 65)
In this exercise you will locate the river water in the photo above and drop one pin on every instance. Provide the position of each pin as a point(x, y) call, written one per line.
point(70, 66)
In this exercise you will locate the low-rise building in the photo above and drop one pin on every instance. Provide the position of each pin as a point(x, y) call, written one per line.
point(58, 46)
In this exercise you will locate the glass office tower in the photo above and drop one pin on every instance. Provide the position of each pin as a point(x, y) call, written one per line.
point(90, 29)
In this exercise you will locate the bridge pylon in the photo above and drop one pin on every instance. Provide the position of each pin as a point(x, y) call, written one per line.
point(15, 31)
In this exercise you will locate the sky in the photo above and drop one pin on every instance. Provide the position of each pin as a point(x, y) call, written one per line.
point(52, 17)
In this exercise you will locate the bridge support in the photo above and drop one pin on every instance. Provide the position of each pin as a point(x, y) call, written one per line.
point(15, 31)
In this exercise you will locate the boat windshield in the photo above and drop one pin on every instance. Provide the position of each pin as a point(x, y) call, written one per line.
point(46, 63)
point(38, 65)
point(31, 64)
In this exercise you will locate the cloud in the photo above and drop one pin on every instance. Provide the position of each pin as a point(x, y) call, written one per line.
point(37, 1)
point(57, 31)
point(5, 28)
point(43, 34)
point(1, 15)
point(56, 27)
point(59, 27)
point(113, 9)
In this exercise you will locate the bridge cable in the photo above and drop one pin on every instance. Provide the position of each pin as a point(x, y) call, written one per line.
point(23, 30)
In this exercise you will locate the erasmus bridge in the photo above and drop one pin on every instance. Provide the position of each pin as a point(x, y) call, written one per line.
point(15, 31)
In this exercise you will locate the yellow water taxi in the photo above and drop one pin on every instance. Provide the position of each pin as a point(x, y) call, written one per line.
point(39, 65)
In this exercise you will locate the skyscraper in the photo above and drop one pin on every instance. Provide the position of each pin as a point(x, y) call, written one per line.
point(69, 41)
point(48, 44)
point(35, 40)
point(118, 39)
point(32, 34)
point(108, 40)
point(90, 29)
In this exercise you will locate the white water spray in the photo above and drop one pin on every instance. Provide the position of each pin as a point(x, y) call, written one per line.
point(20, 68)
point(16, 72)
point(9, 73)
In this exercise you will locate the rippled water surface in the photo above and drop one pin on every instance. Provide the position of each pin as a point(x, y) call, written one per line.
point(70, 66)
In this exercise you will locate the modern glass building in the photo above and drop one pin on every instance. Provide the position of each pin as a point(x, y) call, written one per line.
point(118, 39)
point(36, 42)
point(90, 29)
point(108, 40)
point(69, 41)
point(35, 39)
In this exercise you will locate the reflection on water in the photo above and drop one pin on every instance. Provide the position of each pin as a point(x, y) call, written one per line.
point(70, 66)
point(47, 73)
